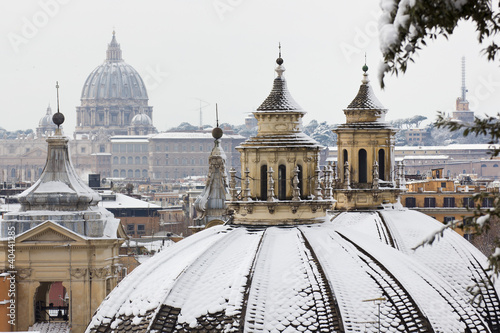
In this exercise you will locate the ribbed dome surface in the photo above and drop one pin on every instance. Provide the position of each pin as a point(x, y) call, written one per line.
point(307, 278)
point(141, 119)
point(114, 79)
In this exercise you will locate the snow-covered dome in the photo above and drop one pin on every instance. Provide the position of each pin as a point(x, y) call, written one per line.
point(141, 119)
point(114, 79)
point(307, 278)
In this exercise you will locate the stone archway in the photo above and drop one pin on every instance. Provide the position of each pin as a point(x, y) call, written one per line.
point(50, 302)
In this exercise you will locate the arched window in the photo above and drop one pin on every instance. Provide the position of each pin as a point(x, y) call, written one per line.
point(381, 164)
point(123, 160)
point(123, 173)
point(346, 155)
point(483, 165)
point(362, 169)
point(13, 172)
point(495, 165)
point(137, 173)
point(29, 174)
point(282, 182)
point(144, 160)
point(144, 173)
point(130, 173)
point(130, 160)
point(116, 173)
point(115, 160)
point(137, 160)
point(263, 182)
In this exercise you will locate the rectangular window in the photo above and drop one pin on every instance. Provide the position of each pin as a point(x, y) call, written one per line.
point(468, 203)
point(141, 229)
point(82, 150)
point(443, 185)
point(410, 202)
point(430, 202)
point(449, 202)
point(102, 149)
point(123, 148)
point(448, 219)
point(166, 147)
point(487, 202)
point(130, 229)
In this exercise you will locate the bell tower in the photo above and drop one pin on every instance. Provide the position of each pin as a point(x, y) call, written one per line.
point(367, 173)
point(280, 166)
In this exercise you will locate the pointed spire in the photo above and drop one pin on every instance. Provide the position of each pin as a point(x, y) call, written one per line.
point(58, 117)
point(365, 101)
point(279, 99)
point(114, 52)
point(49, 110)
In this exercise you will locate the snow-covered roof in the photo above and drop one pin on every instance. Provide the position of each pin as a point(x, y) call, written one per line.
point(426, 157)
point(192, 135)
point(313, 278)
point(124, 201)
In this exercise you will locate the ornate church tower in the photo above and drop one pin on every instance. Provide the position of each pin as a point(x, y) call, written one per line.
point(367, 173)
point(112, 95)
point(66, 245)
point(280, 165)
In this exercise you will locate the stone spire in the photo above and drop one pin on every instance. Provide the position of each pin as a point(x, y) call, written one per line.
point(210, 204)
point(114, 52)
point(60, 195)
point(365, 107)
point(279, 99)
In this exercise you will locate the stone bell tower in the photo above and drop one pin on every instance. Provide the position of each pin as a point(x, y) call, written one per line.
point(367, 173)
point(280, 166)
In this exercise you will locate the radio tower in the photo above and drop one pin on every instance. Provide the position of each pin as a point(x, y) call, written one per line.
point(464, 89)
point(462, 112)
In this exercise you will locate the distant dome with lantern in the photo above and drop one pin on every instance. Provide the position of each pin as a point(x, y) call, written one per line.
point(113, 93)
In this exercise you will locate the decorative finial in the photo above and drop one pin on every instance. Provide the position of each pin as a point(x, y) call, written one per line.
point(365, 68)
point(279, 61)
point(217, 131)
point(58, 118)
point(113, 31)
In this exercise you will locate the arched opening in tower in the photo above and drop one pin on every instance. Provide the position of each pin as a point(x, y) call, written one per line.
point(263, 182)
point(362, 169)
point(51, 302)
point(381, 164)
point(282, 182)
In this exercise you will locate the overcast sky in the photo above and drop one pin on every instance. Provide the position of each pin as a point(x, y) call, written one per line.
point(224, 51)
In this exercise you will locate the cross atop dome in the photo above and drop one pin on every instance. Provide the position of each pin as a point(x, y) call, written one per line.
point(114, 52)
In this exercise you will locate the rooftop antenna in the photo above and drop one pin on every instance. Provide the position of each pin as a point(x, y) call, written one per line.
point(464, 89)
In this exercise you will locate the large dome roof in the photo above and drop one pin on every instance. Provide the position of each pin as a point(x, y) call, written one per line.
point(114, 79)
point(324, 277)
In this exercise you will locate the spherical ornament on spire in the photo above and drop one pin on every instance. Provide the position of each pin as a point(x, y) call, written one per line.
point(58, 118)
point(217, 133)
point(279, 61)
point(365, 68)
